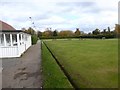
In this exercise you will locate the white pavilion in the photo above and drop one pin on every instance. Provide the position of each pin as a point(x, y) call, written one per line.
point(13, 43)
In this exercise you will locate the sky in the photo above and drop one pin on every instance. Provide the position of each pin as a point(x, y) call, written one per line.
point(60, 14)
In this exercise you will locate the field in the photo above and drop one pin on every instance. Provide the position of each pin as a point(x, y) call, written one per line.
point(89, 63)
point(53, 77)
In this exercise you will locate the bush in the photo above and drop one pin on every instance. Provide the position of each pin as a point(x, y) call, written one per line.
point(34, 39)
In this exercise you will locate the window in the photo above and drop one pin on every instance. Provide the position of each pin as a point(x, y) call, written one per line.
point(14, 39)
point(8, 42)
point(1, 40)
point(20, 37)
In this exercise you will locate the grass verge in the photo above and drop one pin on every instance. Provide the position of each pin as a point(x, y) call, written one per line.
point(53, 77)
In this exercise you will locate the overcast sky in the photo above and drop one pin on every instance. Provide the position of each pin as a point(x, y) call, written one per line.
point(60, 14)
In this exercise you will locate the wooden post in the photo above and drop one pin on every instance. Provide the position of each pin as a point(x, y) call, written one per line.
point(11, 41)
point(18, 43)
point(21, 39)
point(18, 40)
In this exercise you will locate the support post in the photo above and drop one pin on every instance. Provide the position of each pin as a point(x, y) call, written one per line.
point(18, 43)
point(11, 41)
point(21, 39)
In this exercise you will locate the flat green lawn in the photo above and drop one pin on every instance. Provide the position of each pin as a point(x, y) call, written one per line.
point(90, 63)
point(53, 77)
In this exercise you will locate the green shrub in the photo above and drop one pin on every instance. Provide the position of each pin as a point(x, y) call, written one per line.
point(34, 39)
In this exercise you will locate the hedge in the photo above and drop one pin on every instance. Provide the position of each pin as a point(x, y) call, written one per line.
point(82, 36)
point(34, 39)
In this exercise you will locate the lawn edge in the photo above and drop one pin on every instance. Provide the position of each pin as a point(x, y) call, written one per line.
point(61, 67)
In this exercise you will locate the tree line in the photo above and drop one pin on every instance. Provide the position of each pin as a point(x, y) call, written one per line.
point(53, 34)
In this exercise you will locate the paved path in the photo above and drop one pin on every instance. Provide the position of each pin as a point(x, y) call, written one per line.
point(0, 74)
point(23, 72)
point(0, 79)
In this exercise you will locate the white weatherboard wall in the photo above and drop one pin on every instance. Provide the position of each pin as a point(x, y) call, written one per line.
point(16, 51)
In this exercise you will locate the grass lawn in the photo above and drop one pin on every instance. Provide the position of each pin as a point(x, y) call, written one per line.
point(53, 77)
point(90, 63)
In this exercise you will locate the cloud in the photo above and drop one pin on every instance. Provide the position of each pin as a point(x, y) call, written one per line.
point(66, 14)
point(76, 4)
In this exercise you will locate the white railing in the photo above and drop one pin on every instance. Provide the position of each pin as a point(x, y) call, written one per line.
point(9, 52)
point(15, 51)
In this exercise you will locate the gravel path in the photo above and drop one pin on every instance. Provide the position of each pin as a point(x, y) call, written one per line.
point(23, 72)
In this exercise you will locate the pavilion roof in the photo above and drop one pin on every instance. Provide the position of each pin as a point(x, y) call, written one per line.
point(5, 26)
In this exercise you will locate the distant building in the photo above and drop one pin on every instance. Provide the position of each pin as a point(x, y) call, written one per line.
point(13, 43)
